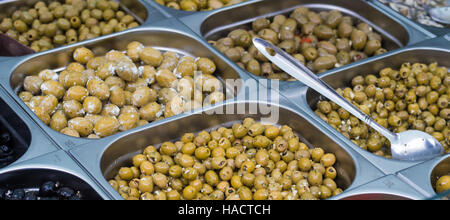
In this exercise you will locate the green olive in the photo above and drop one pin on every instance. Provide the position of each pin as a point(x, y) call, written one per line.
point(63, 24)
point(372, 46)
point(323, 32)
point(20, 26)
point(359, 39)
point(325, 63)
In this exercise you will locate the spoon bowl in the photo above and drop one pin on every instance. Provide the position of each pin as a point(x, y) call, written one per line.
point(408, 145)
point(415, 146)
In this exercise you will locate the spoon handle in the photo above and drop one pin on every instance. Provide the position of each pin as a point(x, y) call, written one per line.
point(291, 66)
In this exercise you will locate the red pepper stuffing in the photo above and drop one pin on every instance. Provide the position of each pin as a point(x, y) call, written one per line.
point(306, 40)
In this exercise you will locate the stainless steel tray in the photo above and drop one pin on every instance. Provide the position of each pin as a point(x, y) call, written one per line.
point(215, 24)
point(436, 50)
point(362, 173)
point(137, 8)
point(104, 159)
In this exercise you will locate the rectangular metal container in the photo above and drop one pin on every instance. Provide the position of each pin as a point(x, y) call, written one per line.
point(386, 188)
point(160, 37)
point(104, 160)
point(434, 51)
point(216, 24)
point(181, 13)
point(137, 8)
point(58, 167)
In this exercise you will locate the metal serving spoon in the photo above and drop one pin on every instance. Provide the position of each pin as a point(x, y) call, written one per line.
point(409, 145)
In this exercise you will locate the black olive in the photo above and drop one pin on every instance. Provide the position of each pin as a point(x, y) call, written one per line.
point(2, 194)
point(8, 194)
point(47, 189)
point(5, 151)
point(65, 193)
point(18, 194)
point(49, 198)
point(75, 198)
point(5, 138)
point(31, 196)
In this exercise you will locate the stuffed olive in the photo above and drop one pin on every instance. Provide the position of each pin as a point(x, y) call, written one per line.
point(320, 40)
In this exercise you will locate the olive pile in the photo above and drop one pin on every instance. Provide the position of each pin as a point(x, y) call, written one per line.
point(443, 184)
point(197, 5)
point(47, 191)
point(249, 161)
point(46, 26)
point(99, 96)
point(6, 151)
point(414, 97)
point(321, 41)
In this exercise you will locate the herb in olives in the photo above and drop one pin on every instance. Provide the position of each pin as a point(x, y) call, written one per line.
point(277, 166)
